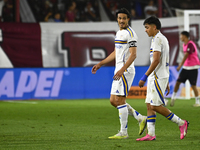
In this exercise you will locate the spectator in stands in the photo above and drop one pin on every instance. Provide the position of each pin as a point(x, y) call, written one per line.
point(188, 4)
point(150, 9)
point(133, 14)
point(57, 17)
point(7, 12)
point(139, 9)
point(90, 12)
point(70, 15)
point(113, 9)
point(49, 16)
point(95, 5)
point(46, 11)
point(165, 13)
point(61, 6)
point(53, 17)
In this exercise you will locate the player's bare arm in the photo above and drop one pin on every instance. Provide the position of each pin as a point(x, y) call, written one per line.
point(182, 62)
point(130, 60)
point(108, 59)
point(154, 64)
point(133, 51)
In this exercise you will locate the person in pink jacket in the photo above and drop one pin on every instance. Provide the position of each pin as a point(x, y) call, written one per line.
point(190, 63)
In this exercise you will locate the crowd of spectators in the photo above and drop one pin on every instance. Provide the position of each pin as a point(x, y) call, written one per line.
point(69, 11)
point(6, 11)
point(88, 10)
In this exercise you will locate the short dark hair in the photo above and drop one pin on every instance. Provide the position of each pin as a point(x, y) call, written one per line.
point(124, 11)
point(187, 34)
point(153, 20)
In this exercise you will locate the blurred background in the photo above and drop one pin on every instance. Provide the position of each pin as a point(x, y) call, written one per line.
point(47, 47)
point(87, 10)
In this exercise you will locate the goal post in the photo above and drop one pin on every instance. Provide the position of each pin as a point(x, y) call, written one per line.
point(187, 14)
point(185, 19)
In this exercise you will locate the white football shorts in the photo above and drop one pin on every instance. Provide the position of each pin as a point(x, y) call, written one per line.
point(155, 91)
point(122, 86)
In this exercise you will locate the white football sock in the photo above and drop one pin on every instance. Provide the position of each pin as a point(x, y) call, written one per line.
point(174, 118)
point(134, 113)
point(173, 95)
point(123, 117)
point(151, 121)
point(197, 100)
point(151, 128)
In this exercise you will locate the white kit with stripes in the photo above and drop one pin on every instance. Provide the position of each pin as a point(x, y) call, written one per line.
point(158, 79)
point(123, 40)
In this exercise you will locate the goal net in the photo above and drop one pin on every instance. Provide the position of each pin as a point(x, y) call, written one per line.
point(188, 20)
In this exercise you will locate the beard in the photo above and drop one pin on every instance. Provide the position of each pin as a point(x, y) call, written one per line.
point(123, 25)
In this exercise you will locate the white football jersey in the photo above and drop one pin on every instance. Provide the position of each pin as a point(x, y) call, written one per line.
point(161, 44)
point(124, 39)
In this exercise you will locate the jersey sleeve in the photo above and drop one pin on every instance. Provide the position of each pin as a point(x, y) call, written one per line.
point(132, 39)
point(190, 48)
point(157, 44)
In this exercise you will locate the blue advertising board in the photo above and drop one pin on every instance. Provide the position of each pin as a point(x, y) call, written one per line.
point(65, 83)
point(55, 83)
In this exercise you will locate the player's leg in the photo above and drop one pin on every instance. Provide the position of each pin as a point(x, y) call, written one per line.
point(122, 106)
point(196, 93)
point(113, 101)
point(142, 120)
point(173, 98)
point(181, 79)
point(183, 124)
point(151, 120)
point(123, 113)
point(151, 115)
point(168, 114)
point(157, 105)
point(119, 92)
point(134, 113)
point(120, 103)
point(193, 80)
point(127, 79)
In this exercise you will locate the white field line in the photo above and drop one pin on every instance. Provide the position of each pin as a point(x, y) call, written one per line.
point(16, 101)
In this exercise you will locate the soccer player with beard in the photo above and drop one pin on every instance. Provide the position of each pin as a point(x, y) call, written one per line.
point(124, 55)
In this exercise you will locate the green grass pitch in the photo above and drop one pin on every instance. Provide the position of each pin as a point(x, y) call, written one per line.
point(86, 125)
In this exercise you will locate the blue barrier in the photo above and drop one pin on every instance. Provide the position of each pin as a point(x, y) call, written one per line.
point(64, 83)
point(55, 83)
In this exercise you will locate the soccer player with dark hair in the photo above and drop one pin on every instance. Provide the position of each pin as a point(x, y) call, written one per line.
point(191, 64)
point(124, 55)
point(158, 79)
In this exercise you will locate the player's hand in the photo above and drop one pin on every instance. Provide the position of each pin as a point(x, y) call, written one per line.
point(141, 83)
point(95, 68)
point(178, 68)
point(118, 75)
point(167, 89)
